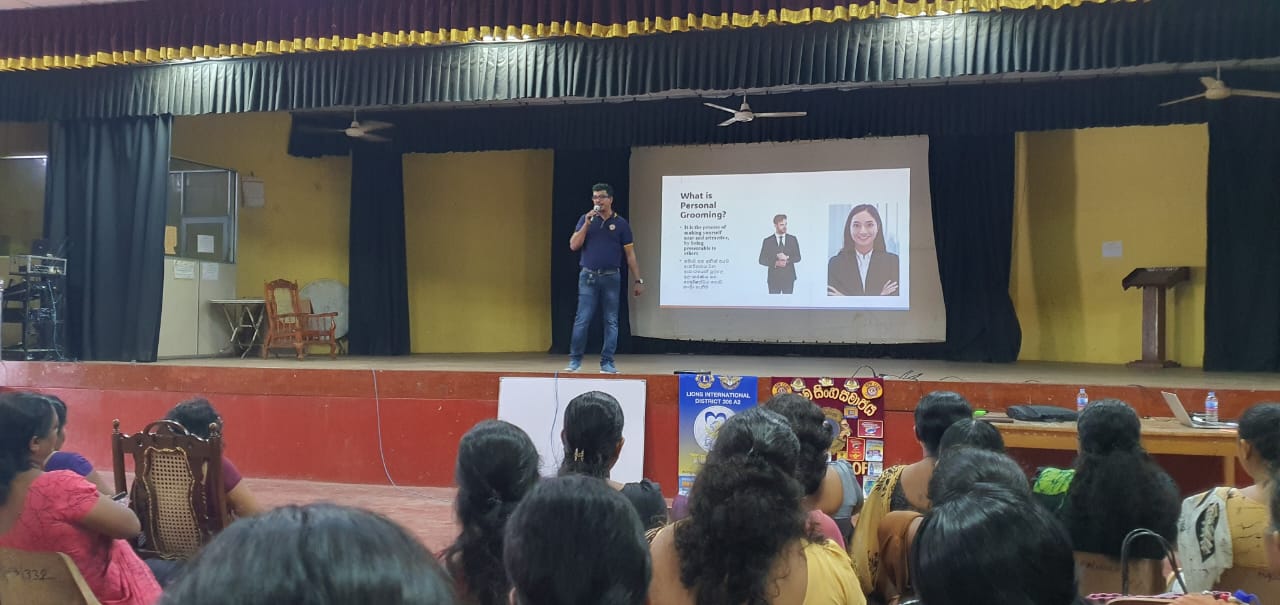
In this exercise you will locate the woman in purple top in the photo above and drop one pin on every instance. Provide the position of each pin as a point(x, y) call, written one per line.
point(196, 415)
point(70, 461)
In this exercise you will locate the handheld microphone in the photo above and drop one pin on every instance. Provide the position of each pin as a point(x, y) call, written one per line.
point(598, 208)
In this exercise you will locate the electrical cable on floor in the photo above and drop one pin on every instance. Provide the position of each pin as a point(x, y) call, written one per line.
point(377, 406)
point(555, 414)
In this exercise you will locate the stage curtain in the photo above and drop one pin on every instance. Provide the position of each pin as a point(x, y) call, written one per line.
point(971, 180)
point(574, 174)
point(150, 32)
point(105, 196)
point(832, 114)
point(378, 313)
point(877, 50)
point(1242, 290)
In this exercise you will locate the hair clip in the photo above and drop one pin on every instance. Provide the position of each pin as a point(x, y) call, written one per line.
point(579, 455)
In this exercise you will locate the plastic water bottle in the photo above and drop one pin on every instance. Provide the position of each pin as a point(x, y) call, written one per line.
point(1082, 400)
point(1211, 407)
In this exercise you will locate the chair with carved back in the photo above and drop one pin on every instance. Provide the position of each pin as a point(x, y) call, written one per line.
point(291, 324)
point(1259, 582)
point(177, 489)
point(41, 578)
point(1102, 574)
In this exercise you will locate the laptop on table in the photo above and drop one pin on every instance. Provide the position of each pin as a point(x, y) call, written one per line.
point(1188, 420)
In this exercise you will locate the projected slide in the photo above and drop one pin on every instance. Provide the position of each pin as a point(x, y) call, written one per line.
point(793, 240)
point(801, 242)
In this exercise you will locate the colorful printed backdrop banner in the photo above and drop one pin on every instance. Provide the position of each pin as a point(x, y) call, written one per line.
point(706, 401)
point(855, 414)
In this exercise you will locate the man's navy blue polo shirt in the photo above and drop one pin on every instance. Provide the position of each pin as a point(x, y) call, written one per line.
point(605, 239)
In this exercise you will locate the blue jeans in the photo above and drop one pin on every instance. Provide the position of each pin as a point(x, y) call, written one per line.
point(594, 288)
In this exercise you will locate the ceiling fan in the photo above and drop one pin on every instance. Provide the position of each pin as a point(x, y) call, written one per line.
point(1216, 90)
point(361, 130)
point(744, 113)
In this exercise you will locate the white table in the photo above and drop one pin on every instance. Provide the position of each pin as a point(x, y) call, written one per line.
point(244, 318)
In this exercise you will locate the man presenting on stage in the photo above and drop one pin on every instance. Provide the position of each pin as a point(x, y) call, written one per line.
point(780, 252)
point(603, 237)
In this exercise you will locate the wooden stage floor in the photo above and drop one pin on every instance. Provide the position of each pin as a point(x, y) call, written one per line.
point(1029, 372)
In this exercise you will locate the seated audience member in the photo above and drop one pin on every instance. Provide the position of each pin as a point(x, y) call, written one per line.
point(840, 496)
point(1223, 528)
point(748, 530)
point(1272, 539)
point(963, 467)
point(71, 461)
point(593, 440)
point(959, 469)
point(1113, 488)
point(576, 541)
point(992, 545)
point(318, 554)
point(810, 427)
point(497, 465)
point(904, 488)
point(971, 432)
point(196, 415)
point(62, 512)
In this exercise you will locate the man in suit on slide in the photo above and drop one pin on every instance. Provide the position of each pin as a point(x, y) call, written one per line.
point(780, 252)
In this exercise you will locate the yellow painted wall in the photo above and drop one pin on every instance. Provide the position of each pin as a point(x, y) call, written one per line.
point(302, 233)
point(478, 228)
point(1143, 186)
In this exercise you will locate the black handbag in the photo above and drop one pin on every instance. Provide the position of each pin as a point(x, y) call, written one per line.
point(1041, 413)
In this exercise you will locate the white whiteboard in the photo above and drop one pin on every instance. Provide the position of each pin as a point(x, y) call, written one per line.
point(537, 406)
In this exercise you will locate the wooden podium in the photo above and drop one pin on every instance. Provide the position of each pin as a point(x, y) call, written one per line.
point(1155, 283)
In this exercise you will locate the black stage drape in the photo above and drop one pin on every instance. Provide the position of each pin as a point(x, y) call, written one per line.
point(1242, 290)
point(379, 280)
point(1100, 37)
point(971, 182)
point(105, 196)
point(832, 114)
point(575, 173)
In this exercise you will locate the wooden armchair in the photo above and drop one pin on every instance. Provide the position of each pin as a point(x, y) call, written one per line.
point(290, 325)
point(41, 578)
point(1260, 582)
point(1101, 574)
point(177, 489)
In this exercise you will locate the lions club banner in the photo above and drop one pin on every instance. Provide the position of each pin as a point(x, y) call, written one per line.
point(706, 401)
point(855, 415)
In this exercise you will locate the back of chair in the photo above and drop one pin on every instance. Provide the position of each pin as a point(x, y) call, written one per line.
point(1139, 601)
point(177, 489)
point(1101, 574)
point(41, 578)
point(1260, 582)
point(282, 302)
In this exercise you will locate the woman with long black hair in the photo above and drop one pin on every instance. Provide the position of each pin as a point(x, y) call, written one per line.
point(864, 266)
point(592, 438)
point(61, 511)
point(748, 534)
point(1113, 487)
point(497, 466)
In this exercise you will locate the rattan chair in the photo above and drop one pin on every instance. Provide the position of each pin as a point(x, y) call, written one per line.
point(177, 489)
